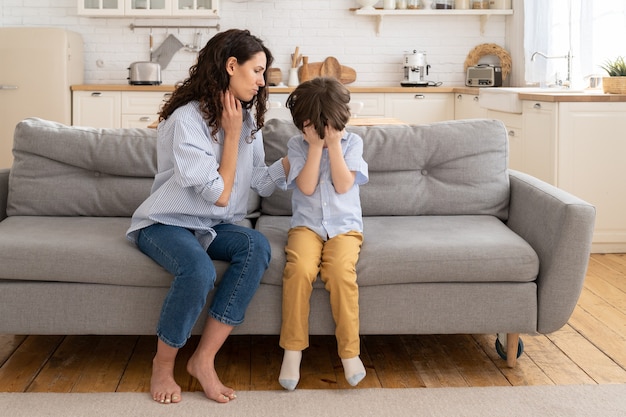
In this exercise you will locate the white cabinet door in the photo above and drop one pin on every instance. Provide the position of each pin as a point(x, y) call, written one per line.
point(149, 8)
point(146, 8)
point(276, 108)
point(466, 106)
point(96, 108)
point(513, 123)
point(420, 108)
point(140, 109)
point(101, 7)
point(539, 150)
point(592, 145)
point(373, 104)
point(199, 8)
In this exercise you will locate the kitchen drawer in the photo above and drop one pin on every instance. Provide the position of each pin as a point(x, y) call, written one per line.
point(143, 102)
point(138, 120)
point(373, 104)
point(509, 119)
point(96, 108)
point(420, 108)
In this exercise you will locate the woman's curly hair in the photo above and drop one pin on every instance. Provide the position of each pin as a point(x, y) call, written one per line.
point(208, 77)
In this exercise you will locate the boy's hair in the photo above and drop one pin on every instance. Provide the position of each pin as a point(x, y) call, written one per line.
point(321, 101)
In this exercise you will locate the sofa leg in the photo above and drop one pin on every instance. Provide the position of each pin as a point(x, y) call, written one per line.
point(512, 340)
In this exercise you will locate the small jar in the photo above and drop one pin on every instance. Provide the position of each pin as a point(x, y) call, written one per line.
point(401, 4)
point(389, 4)
point(480, 4)
point(444, 4)
point(414, 4)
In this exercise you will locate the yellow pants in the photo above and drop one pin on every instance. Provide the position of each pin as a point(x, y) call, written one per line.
point(335, 261)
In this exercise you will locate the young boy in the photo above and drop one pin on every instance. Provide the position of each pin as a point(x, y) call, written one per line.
point(326, 231)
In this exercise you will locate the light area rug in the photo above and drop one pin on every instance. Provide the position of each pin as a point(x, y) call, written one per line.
point(540, 401)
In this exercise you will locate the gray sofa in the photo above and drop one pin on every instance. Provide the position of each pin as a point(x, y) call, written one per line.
point(454, 241)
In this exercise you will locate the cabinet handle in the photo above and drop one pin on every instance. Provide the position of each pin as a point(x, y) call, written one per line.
point(96, 94)
point(511, 132)
point(537, 106)
point(8, 87)
point(419, 96)
point(476, 98)
point(459, 97)
point(145, 119)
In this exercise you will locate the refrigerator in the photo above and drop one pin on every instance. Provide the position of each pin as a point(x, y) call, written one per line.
point(37, 67)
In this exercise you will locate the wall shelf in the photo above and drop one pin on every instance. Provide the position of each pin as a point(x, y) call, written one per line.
point(484, 14)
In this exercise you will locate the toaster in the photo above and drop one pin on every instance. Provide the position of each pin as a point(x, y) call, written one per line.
point(484, 76)
point(144, 73)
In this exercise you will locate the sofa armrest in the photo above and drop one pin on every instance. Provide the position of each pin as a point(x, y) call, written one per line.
point(559, 227)
point(4, 192)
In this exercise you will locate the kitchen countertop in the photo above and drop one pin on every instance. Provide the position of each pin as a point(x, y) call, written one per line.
point(547, 96)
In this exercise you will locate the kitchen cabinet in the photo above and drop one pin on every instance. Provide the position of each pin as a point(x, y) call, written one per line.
point(590, 162)
point(373, 105)
point(114, 109)
point(513, 123)
point(140, 109)
point(539, 150)
point(148, 8)
point(420, 108)
point(97, 108)
point(467, 106)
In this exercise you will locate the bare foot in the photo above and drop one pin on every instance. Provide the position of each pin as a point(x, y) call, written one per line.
point(204, 372)
point(163, 387)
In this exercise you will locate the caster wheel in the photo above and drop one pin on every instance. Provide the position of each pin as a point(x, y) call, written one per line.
point(502, 350)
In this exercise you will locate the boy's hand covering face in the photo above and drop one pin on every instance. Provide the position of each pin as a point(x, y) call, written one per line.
point(311, 136)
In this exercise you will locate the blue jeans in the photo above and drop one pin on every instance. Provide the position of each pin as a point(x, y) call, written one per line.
point(178, 251)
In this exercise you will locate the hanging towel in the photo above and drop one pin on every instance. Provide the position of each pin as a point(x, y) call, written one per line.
point(164, 53)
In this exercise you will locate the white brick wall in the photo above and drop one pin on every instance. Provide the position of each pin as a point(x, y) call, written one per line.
point(320, 27)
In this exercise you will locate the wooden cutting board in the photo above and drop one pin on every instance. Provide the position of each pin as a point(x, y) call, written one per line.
point(345, 74)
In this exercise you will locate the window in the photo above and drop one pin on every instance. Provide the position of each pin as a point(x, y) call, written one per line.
point(592, 30)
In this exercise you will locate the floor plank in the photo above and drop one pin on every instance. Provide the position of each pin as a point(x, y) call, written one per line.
point(23, 367)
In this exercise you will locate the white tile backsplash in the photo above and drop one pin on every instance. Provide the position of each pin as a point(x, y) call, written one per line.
point(320, 28)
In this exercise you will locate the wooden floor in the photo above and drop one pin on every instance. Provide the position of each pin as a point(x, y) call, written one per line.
point(590, 349)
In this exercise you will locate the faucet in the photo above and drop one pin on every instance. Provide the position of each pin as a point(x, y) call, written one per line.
point(569, 57)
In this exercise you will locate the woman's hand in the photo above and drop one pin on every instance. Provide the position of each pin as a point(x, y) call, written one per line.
point(232, 121)
point(232, 116)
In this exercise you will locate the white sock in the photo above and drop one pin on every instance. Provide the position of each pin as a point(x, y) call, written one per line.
point(290, 369)
point(354, 370)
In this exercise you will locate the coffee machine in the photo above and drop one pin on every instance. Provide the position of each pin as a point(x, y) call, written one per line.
point(415, 69)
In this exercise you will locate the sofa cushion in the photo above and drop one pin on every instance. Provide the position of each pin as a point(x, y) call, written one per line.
point(61, 170)
point(78, 249)
point(420, 249)
point(447, 168)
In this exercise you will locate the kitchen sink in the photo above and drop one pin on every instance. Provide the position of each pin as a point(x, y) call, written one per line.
point(506, 99)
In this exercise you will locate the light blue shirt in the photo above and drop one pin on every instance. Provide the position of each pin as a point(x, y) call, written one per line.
point(187, 184)
point(327, 212)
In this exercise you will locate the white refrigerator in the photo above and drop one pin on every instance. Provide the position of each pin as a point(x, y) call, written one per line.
point(37, 67)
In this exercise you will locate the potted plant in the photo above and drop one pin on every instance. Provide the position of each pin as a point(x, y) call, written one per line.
point(616, 81)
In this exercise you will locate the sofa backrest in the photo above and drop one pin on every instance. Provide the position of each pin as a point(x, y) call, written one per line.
point(61, 170)
point(447, 168)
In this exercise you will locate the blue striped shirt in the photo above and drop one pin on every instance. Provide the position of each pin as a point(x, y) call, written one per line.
point(188, 184)
point(327, 212)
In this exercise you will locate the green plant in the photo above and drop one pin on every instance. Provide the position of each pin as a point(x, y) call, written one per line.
point(615, 68)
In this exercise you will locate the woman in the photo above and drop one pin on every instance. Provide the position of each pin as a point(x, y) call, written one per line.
point(210, 152)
